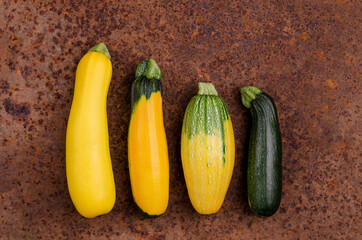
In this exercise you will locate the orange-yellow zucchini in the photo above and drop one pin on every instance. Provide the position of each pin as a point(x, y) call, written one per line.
point(147, 145)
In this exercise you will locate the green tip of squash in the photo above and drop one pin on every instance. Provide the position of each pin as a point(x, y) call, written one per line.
point(248, 94)
point(146, 215)
point(207, 89)
point(101, 48)
point(149, 69)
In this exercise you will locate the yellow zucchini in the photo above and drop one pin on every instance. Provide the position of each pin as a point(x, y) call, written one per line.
point(88, 162)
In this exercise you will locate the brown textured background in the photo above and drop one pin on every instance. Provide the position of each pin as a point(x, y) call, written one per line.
point(306, 54)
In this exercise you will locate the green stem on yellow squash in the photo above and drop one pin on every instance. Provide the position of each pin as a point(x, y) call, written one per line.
point(101, 48)
point(207, 89)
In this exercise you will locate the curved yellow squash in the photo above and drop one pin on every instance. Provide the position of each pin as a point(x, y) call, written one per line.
point(147, 145)
point(207, 150)
point(88, 163)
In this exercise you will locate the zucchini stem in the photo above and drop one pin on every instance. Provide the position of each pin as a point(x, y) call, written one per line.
point(101, 48)
point(207, 89)
point(248, 94)
point(149, 69)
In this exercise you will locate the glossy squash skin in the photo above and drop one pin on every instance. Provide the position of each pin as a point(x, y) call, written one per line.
point(147, 144)
point(207, 150)
point(88, 163)
point(264, 172)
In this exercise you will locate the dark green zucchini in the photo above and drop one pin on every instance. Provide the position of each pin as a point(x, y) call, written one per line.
point(264, 171)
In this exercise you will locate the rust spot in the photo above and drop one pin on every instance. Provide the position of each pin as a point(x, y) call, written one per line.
point(49, 85)
point(350, 60)
point(331, 83)
point(40, 95)
point(341, 2)
point(57, 96)
point(143, 233)
point(304, 36)
point(11, 65)
point(321, 55)
point(347, 102)
point(292, 41)
point(16, 110)
point(325, 108)
point(26, 71)
point(4, 86)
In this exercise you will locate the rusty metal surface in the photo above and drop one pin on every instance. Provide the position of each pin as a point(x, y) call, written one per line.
point(306, 54)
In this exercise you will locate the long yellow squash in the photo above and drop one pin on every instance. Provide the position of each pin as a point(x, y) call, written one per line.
point(207, 150)
point(88, 163)
point(147, 145)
